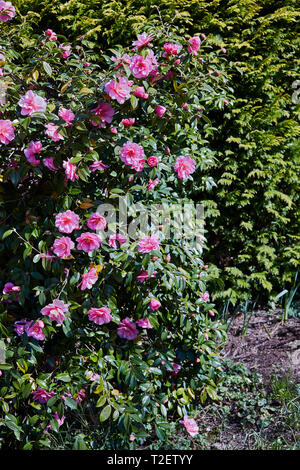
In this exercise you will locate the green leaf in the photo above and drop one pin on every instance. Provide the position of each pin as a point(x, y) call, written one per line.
point(47, 68)
point(7, 234)
point(105, 413)
point(70, 403)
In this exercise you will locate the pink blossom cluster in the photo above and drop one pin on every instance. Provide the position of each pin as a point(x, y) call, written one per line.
point(52, 131)
point(56, 310)
point(148, 243)
point(119, 90)
point(116, 237)
point(67, 221)
point(133, 155)
point(51, 35)
point(62, 247)
point(7, 11)
point(66, 51)
point(184, 167)
point(42, 395)
point(31, 150)
point(100, 316)
point(7, 131)
point(31, 328)
point(88, 279)
point(104, 112)
point(70, 170)
point(190, 425)
point(171, 49)
point(66, 115)
point(98, 165)
point(194, 44)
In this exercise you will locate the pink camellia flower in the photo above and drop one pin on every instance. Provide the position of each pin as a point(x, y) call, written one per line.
point(152, 58)
point(184, 167)
point(66, 50)
point(152, 184)
point(153, 161)
point(119, 90)
point(104, 112)
point(33, 148)
point(94, 377)
point(32, 103)
point(127, 329)
point(128, 122)
point(62, 247)
point(88, 242)
point(10, 288)
point(168, 259)
point(88, 279)
point(7, 11)
point(48, 162)
point(7, 131)
point(144, 323)
point(143, 276)
point(42, 396)
point(190, 425)
point(51, 35)
point(99, 165)
point(205, 296)
point(148, 243)
point(140, 66)
point(194, 45)
point(139, 92)
point(100, 316)
point(133, 155)
point(160, 110)
point(70, 170)
point(66, 115)
point(154, 304)
point(52, 132)
point(176, 368)
point(67, 221)
point(113, 130)
point(116, 237)
point(96, 222)
point(171, 49)
point(142, 40)
point(36, 330)
point(56, 311)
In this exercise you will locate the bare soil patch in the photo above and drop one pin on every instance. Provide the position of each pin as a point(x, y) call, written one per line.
point(267, 345)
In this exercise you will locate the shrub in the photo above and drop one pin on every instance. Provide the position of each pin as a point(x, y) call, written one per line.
point(253, 239)
point(116, 332)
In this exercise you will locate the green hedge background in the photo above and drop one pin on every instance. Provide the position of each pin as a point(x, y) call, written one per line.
point(253, 213)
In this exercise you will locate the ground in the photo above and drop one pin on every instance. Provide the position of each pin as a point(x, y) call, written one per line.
point(268, 344)
point(259, 399)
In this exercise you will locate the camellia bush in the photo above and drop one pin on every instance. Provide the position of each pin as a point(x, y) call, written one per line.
point(106, 334)
point(253, 247)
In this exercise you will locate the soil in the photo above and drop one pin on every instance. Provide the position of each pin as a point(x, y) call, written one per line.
point(267, 345)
